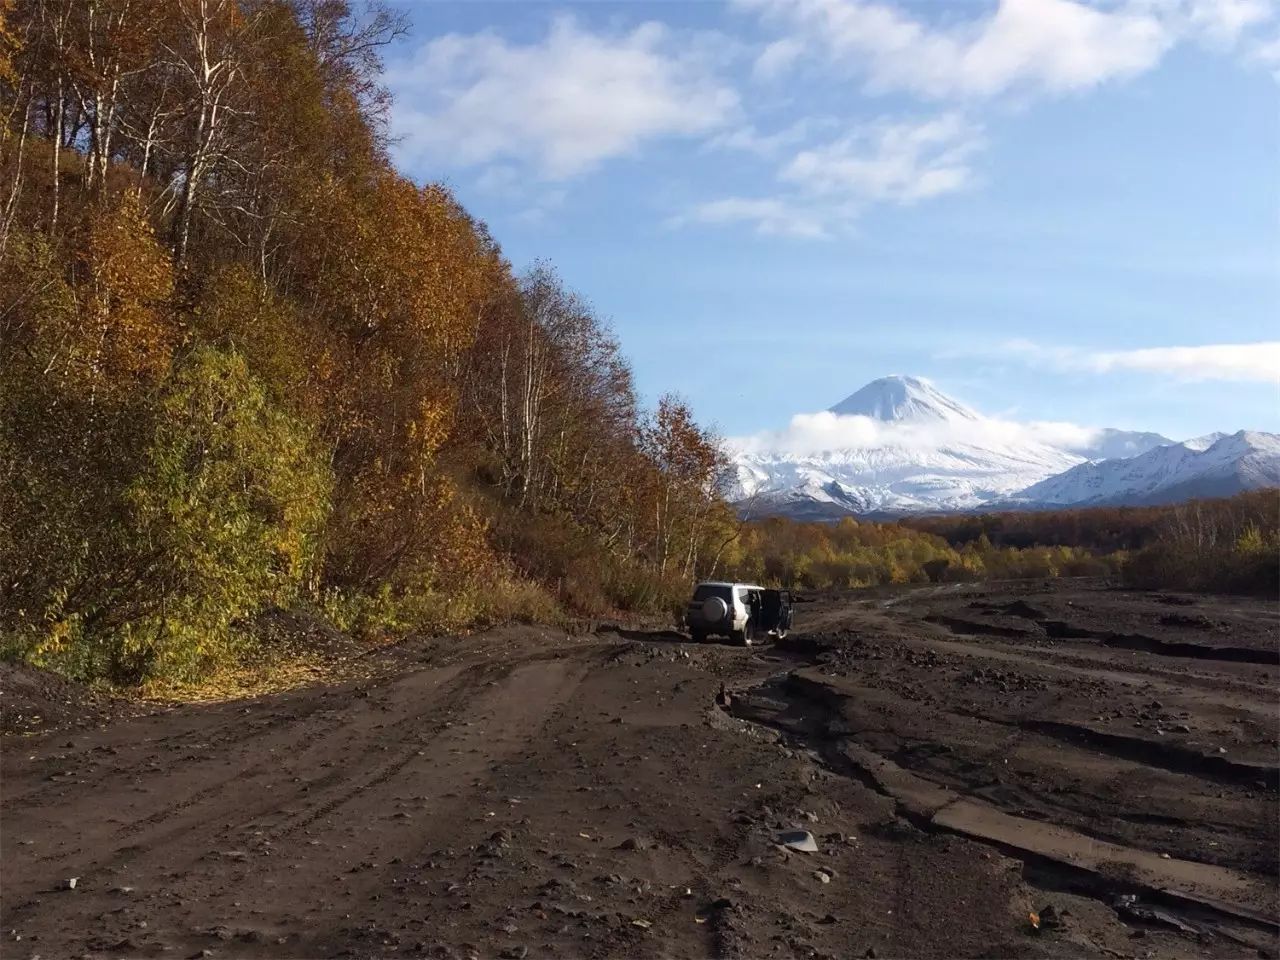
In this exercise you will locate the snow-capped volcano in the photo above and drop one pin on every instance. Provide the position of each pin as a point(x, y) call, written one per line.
point(901, 445)
point(899, 398)
point(897, 445)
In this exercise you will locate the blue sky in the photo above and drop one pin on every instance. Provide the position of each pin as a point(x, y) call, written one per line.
point(1056, 210)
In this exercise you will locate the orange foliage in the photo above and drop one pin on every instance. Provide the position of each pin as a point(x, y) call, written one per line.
point(197, 197)
point(127, 280)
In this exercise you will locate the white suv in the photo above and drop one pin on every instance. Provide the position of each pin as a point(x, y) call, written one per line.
point(743, 612)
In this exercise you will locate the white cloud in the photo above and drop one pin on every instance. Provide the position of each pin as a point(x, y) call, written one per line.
point(1267, 53)
point(1259, 362)
point(828, 185)
point(813, 433)
point(1013, 48)
point(777, 58)
point(809, 433)
point(770, 216)
point(900, 162)
point(1059, 46)
point(1049, 46)
point(1224, 21)
point(749, 139)
point(566, 103)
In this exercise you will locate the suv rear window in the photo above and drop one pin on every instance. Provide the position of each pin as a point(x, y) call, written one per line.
point(707, 590)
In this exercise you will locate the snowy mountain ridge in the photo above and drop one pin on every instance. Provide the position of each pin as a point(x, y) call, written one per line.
point(1216, 465)
point(900, 445)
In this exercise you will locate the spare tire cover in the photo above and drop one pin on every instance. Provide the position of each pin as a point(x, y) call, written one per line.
point(714, 609)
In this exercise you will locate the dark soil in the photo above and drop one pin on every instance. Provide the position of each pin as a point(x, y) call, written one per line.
point(617, 793)
point(33, 700)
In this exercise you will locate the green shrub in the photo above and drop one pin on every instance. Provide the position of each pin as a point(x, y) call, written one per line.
point(219, 520)
point(226, 509)
point(389, 614)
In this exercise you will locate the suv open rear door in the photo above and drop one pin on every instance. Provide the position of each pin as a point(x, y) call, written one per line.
point(775, 612)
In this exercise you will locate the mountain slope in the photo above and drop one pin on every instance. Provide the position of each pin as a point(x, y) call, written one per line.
point(1217, 465)
point(901, 445)
point(1110, 444)
point(895, 478)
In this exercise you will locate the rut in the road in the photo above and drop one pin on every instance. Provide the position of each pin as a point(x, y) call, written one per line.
point(806, 709)
point(1063, 630)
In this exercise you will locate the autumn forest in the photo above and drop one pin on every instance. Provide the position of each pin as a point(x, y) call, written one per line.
point(245, 362)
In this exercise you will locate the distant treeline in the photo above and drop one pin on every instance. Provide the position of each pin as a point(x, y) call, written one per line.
point(1100, 528)
point(1229, 544)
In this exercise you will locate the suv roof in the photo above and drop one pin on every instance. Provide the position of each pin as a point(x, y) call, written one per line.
point(729, 583)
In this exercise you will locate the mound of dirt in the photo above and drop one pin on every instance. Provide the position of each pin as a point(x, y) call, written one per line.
point(33, 700)
point(302, 631)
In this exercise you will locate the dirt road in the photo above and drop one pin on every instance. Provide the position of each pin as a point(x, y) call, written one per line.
point(960, 761)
